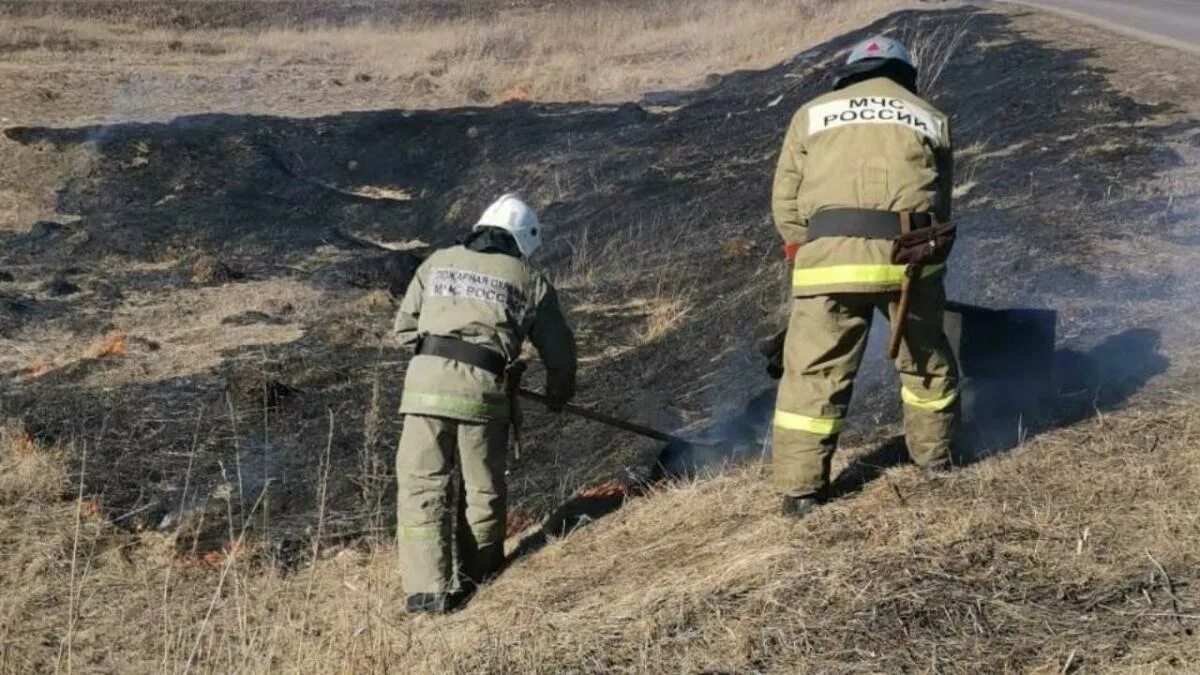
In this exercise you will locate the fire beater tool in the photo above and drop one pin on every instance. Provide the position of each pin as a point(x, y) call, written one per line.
point(676, 446)
point(611, 421)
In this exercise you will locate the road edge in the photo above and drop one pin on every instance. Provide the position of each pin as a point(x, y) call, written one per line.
point(1137, 33)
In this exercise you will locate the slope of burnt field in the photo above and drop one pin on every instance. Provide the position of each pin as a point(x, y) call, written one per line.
point(647, 204)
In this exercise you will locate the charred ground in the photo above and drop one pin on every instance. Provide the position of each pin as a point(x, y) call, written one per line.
point(645, 205)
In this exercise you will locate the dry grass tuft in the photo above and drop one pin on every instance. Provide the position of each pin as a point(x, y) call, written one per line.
point(665, 312)
point(934, 49)
point(736, 249)
point(29, 472)
point(208, 270)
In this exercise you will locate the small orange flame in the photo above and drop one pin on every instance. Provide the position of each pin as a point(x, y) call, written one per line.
point(238, 548)
point(114, 344)
point(518, 93)
point(606, 490)
point(230, 551)
point(518, 521)
point(24, 443)
point(90, 508)
point(39, 369)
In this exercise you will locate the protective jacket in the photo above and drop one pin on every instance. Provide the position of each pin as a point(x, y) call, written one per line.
point(871, 145)
point(492, 298)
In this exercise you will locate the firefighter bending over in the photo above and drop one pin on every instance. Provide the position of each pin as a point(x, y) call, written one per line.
point(467, 312)
point(862, 200)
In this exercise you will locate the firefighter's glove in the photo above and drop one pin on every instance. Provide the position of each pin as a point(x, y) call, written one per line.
point(772, 350)
point(513, 375)
point(925, 246)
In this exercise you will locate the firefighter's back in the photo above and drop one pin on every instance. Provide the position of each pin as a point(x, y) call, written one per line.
point(486, 299)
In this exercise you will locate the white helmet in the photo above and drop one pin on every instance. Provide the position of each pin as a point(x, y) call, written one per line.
point(879, 56)
point(516, 217)
point(879, 47)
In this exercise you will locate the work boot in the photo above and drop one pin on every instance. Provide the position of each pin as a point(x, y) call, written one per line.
point(798, 507)
point(936, 472)
point(489, 562)
point(428, 603)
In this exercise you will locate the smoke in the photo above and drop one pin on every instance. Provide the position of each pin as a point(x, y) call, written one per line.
point(742, 404)
point(1013, 383)
point(736, 438)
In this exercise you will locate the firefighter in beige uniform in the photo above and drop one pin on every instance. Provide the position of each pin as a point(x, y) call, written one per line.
point(467, 312)
point(860, 166)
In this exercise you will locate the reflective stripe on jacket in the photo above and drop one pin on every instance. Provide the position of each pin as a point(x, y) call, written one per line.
point(491, 299)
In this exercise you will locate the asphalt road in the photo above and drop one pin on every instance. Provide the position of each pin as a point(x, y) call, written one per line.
point(1172, 22)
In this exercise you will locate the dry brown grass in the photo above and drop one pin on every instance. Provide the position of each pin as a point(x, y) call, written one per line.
point(28, 470)
point(665, 311)
point(593, 51)
point(172, 333)
point(1074, 552)
point(556, 52)
point(1071, 553)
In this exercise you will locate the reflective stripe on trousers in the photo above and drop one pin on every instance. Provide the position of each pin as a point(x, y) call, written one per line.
point(829, 426)
point(827, 337)
point(931, 404)
point(821, 426)
point(418, 532)
point(443, 537)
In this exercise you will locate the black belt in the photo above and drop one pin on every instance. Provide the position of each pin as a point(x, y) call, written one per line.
point(465, 352)
point(865, 223)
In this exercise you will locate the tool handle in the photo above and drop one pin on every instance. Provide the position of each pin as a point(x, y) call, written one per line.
point(899, 319)
point(606, 419)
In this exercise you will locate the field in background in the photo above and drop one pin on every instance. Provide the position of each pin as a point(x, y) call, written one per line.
point(478, 54)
